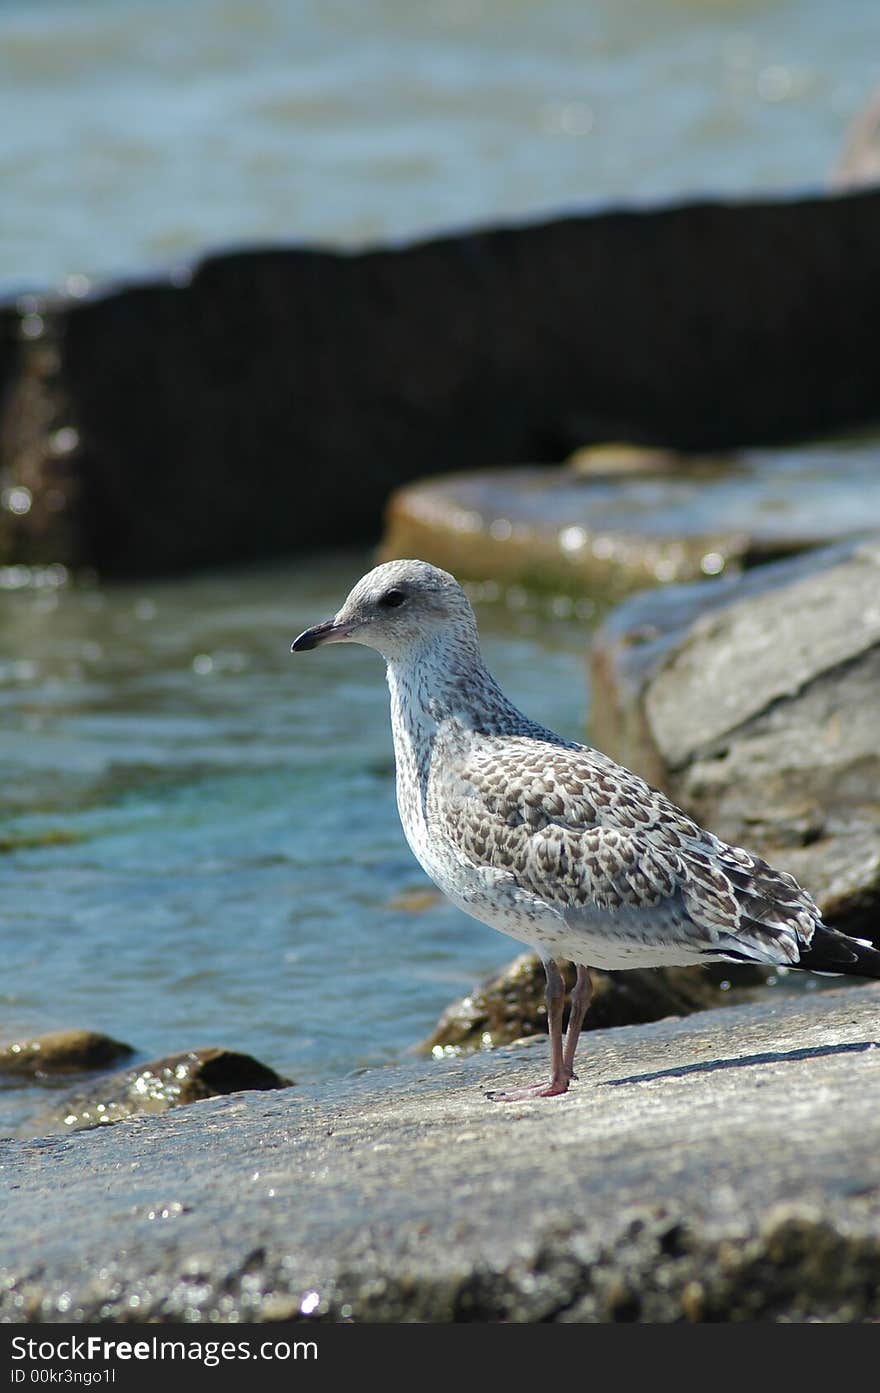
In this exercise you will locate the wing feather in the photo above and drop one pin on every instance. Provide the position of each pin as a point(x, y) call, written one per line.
point(582, 833)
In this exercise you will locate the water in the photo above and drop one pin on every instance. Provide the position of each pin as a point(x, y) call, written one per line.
point(137, 132)
point(200, 842)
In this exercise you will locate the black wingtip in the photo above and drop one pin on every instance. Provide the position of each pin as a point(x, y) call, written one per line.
point(831, 951)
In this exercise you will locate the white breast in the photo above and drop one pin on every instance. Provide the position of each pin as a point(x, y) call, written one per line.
point(484, 893)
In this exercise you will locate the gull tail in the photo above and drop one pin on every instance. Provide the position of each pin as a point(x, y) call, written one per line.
point(830, 951)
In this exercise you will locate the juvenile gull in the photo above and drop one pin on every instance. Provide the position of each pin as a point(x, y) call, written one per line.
point(551, 841)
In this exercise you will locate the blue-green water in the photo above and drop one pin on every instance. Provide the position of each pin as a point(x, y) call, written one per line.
point(136, 132)
point(200, 831)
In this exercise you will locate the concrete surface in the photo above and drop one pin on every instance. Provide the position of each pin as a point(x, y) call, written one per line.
point(721, 1167)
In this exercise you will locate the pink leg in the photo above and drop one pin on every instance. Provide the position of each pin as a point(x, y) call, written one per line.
point(560, 1073)
point(580, 1000)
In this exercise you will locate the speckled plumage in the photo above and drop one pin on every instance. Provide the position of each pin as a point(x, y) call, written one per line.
point(558, 846)
point(546, 839)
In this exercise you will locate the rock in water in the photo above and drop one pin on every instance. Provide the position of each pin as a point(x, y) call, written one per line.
point(510, 1005)
point(616, 521)
point(61, 1052)
point(160, 1084)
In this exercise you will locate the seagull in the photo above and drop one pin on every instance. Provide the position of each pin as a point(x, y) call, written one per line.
point(551, 841)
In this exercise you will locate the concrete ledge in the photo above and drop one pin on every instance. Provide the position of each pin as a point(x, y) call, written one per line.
point(723, 1167)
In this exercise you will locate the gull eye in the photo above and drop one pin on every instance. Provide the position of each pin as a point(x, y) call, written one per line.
point(392, 599)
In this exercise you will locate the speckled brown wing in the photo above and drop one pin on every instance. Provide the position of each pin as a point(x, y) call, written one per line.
point(584, 834)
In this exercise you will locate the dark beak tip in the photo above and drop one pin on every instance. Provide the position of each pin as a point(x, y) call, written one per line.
point(311, 638)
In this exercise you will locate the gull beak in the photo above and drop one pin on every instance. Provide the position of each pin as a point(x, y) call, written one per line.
point(328, 632)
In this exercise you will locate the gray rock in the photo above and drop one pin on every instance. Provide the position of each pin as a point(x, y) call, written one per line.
point(858, 165)
point(724, 1167)
point(754, 702)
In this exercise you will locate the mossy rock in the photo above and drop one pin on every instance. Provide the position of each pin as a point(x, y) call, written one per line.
point(160, 1084)
point(61, 1052)
point(510, 1005)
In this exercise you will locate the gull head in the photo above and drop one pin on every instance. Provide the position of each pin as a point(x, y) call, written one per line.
point(400, 609)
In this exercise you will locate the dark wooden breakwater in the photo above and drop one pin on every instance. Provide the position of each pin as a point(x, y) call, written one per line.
point(269, 400)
